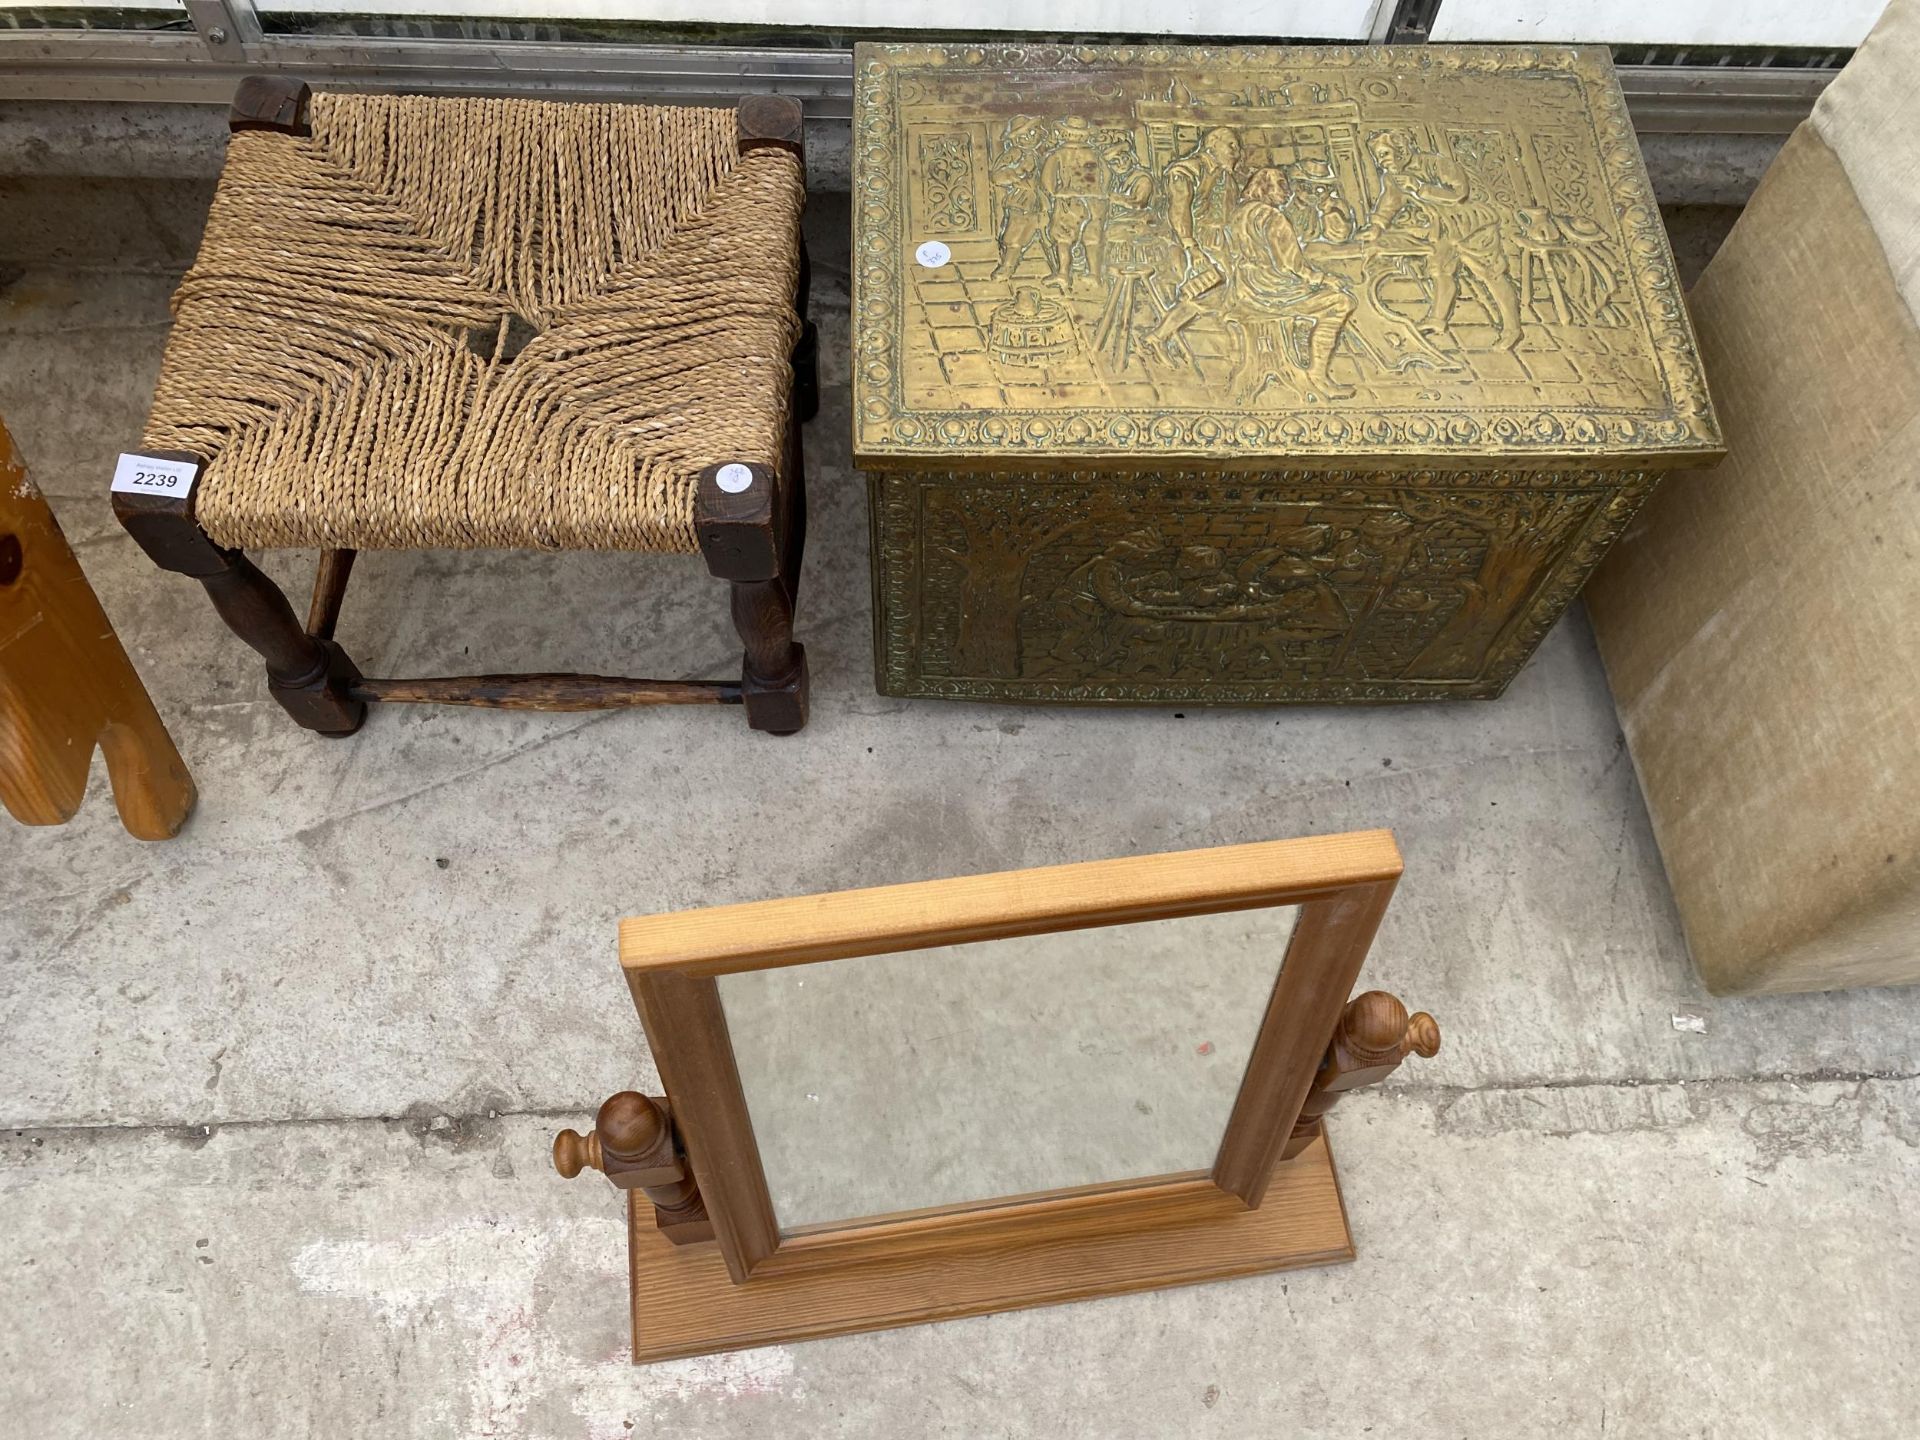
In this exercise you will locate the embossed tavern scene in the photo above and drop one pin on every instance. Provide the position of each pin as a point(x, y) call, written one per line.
point(1251, 375)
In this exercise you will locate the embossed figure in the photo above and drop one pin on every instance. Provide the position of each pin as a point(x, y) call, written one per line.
point(1275, 286)
point(1145, 605)
point(1015, 173)
point(1201, 190)
point(1290, 580)
point(1137, 251)
point(1073, 189)
point(1094, 610)
point(1201, 582)
point(1315, 207)
point(1435, 206)
point(1130, 188)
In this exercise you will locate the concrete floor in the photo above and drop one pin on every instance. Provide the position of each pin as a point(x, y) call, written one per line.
point(279, 1092)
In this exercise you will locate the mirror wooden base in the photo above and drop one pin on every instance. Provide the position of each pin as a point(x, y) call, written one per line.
point(685, 1303)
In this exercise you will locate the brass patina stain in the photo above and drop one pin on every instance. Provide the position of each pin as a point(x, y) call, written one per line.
point(1245, 375)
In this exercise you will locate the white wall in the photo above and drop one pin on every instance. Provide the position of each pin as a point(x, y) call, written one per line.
point(1821, 23)
point(1818, 23)
point(1319, 19)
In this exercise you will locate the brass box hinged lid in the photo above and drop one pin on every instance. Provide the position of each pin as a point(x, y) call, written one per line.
point(1236, 258)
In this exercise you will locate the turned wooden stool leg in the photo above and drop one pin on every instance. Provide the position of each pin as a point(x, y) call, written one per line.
point(751, 533)
point(276, 103)
point(329, 592)
point(774, 677)
point(793, 500)
point(310, 677)
point(806, 354)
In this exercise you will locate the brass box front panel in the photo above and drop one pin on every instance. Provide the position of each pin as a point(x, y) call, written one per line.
point(1193, 587)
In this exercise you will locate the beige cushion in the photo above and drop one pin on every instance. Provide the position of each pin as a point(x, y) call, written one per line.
point(1760, 623)
point(1870, 119)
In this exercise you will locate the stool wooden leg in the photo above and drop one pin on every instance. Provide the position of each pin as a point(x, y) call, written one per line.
point(329, 592)
point(751, 532)
point(793, 500)
point(773, 681)
point(806, 374)
point(806, 354)
point(310, 677)
point(276, 103)
point(774, 677)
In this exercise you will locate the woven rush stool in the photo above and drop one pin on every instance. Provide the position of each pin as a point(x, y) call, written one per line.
point(419, 323)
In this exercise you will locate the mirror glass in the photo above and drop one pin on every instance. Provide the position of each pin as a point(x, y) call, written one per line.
point(925, 1078)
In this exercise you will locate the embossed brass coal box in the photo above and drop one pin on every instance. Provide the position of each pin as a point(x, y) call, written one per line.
point(1249, 375)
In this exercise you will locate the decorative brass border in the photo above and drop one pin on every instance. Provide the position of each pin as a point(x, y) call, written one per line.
point(886, 432)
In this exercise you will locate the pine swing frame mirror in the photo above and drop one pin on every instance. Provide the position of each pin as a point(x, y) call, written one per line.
point(711, 1267)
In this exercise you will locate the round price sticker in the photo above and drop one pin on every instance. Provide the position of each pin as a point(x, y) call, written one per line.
point(932, 254)
point(734, 478)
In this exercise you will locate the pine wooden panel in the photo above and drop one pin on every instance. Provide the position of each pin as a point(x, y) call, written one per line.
point(686, 1303)
point(1329, 946)
point(767, 933)
point(66, 684)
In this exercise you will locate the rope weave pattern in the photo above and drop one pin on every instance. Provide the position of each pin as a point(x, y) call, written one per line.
point(323, 356)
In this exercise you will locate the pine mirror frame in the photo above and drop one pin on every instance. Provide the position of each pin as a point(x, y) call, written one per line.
point(1249, 1213)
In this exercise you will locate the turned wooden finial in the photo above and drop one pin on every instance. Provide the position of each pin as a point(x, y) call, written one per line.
point(1423, 1035)
point(628, 1130)
point(1373, 1035)
point(1373, 1028)
point(574, 1152)
point(632, 1143)
point(630, 1125)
